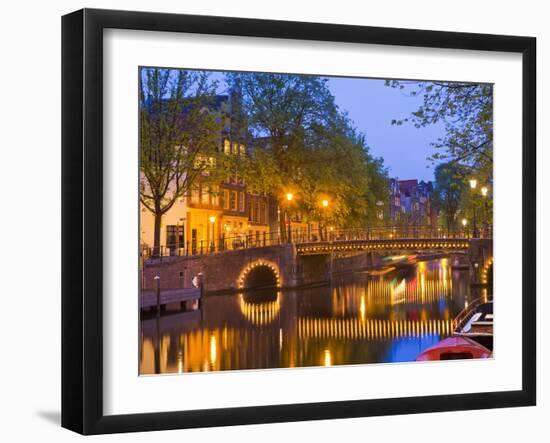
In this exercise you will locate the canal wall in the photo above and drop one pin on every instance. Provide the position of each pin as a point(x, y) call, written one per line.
point(359, 262)
point(219, 271)
point(313, 269)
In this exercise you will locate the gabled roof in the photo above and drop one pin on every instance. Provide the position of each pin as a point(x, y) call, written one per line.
point(406, 184)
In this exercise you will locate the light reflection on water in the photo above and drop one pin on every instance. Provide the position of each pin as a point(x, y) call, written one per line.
point(364, 319)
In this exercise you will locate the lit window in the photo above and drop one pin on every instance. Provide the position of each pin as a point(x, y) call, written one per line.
point(241, 201)
point(226, 147)
point(225, 202)
point(215, 196)
point(233, 201)
point(195, 195)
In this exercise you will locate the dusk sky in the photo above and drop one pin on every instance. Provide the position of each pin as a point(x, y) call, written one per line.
point(372, 106)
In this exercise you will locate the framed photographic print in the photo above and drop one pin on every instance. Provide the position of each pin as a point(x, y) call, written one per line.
point(271, 221)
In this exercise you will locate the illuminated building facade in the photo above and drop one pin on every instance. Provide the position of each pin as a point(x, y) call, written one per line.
point(411, 202)
point(221, 216)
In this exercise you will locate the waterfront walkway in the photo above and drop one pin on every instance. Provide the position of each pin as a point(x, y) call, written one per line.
point(148, 297)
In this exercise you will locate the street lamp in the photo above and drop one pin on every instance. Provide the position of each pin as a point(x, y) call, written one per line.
point(484, 193)
point(180, 234)
point(212, 220)
point(289, 197)
point(464, 223)
point(380, 213)
point(324, 204)
point(473, 185)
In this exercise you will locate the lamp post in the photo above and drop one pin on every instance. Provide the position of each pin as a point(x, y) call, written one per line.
point(484, 193)
point(473, 185)
point(212, 220)
point(181, 235)
point(464, 223)
point(380, 215)
point(324, 204)
point(226, 235)
point(289, 197)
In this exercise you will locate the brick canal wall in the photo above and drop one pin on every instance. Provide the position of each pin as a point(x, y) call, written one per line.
point(357, 262)
point(312, 269)
point(220, 271)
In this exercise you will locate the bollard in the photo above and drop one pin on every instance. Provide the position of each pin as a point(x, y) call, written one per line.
point(157, 279)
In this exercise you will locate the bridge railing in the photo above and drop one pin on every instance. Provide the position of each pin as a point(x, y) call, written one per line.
point(300, 235)
point(377, 233)
point(220, 244)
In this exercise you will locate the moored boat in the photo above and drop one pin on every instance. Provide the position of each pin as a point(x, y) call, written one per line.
point(472, 335)
point(476, 323)
point(454, 348)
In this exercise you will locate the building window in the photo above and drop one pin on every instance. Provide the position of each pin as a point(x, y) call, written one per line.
point(203, 197)
point(225, 203)
point(174, 236)
point(195, 195)
point(241, 201)
point(215, 191)
point(226, 147)
point(262, 214)
point(233, 201)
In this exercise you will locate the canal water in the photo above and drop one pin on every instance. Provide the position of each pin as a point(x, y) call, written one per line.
point(391, 315)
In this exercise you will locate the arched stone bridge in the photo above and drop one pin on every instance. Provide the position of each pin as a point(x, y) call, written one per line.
point(295, 264)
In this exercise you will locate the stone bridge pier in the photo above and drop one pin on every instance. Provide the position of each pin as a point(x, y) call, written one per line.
point(480, 256)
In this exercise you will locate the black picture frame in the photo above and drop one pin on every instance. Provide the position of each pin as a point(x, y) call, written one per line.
point(82, 217)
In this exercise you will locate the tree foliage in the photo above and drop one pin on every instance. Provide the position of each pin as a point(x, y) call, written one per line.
point(449, 191)
point(466, 149)
point(302, 143)
point(178, 137)
point(466, 111)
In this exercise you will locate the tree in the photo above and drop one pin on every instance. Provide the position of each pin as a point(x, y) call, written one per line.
point(466, 111)
point(178, 138)
point(449, 192)
point(284, 113)
point(303, 144)
point(344, 168)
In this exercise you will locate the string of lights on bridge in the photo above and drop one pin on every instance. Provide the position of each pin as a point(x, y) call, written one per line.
point(346, 246)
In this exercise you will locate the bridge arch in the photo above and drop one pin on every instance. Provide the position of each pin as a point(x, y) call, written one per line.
point(487, 272)
point(260, 273)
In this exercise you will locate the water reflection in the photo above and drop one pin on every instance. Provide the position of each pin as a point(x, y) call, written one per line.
point(390, 316)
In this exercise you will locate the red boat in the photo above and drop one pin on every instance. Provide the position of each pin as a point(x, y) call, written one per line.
point(455, 348)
